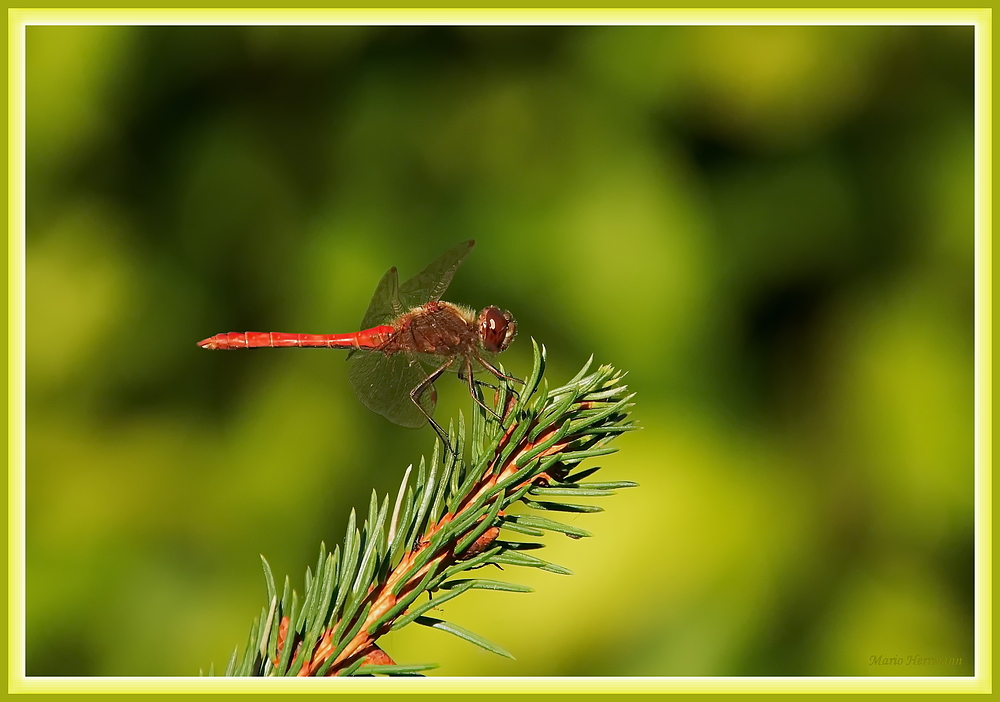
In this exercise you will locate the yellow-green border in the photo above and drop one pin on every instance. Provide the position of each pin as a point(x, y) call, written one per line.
point(19, 19)
point(438, 16)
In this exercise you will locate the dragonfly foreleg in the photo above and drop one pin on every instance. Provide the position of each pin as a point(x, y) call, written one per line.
point(415, 394)
point(481, 383)
point(506, 379)
point(472, 389)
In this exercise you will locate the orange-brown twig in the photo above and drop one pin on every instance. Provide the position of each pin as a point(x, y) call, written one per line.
point(381, 596)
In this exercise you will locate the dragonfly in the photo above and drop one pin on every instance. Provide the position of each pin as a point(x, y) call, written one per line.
point(409, 337)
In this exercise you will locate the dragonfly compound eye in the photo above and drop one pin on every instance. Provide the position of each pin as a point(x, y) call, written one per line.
point(497, 329)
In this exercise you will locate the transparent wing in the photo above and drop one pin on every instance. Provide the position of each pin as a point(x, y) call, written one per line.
point(430, 283)
point(383, 384)
point(385, 305)
point(392, 299)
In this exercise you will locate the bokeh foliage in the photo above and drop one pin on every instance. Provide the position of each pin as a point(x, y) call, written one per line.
point(770, 228)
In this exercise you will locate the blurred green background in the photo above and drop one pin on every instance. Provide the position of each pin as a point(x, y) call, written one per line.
point(770, 228)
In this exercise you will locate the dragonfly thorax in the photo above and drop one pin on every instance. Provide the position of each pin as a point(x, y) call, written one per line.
point(497, 329)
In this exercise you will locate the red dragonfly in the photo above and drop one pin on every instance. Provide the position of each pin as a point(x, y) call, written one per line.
point(405, 328)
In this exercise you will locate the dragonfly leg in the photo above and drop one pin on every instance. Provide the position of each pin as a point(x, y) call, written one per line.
point(508, 379)
point(477, 381)
point(415, 394)
point(482, 383)
point(472, 389)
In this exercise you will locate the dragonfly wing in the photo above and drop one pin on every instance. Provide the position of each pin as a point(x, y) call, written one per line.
point(385, 305)
point(383, 384)
point(430, 283)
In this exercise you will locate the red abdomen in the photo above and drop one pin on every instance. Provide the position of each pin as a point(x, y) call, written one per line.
point(367, 339)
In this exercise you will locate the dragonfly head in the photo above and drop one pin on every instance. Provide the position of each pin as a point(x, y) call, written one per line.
point(497, 329)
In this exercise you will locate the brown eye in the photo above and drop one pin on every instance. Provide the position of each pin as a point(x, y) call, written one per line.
point(496, 329)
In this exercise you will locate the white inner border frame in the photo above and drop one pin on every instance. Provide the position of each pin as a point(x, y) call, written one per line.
point(18, 20)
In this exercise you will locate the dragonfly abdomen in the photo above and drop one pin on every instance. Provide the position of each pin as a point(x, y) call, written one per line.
point(366, 339)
